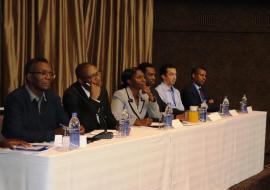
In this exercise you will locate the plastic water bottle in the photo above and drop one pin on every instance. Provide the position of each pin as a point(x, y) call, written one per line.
point(225, 107)
point(203, 111)
point(124, 123)
point(168, 115)
point(74, 130)
point(243, 104)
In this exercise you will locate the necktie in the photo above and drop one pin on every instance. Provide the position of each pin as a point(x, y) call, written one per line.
point(201, 94)
point(36, 104)
point(173, 98)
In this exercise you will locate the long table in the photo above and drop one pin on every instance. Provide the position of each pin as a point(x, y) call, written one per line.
point(206, 156)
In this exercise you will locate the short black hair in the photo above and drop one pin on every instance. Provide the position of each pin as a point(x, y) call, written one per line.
point(80, 67)
point(143, 66)
point(127, 74)
point(163, 69)
point(28, 68)
point(195, 69)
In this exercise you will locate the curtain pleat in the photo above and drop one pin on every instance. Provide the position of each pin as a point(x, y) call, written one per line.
point(113, 34)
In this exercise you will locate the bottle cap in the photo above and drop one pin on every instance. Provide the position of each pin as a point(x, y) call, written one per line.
point(193, 108)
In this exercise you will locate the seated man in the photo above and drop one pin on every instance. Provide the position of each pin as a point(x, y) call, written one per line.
point(89, 99)
point(150, 77)
point(137, 98)
point(194, 93)
point(168, 93)
point(33, 112)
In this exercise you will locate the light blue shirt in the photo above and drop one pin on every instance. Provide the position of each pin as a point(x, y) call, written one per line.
point(167, 93)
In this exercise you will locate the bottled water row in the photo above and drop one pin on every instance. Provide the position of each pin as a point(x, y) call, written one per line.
point(224, 110)
point(124, 126)
point(224, 107)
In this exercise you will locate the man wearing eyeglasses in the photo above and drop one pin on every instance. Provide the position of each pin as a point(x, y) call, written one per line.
point(89, 99)
point(33, 112)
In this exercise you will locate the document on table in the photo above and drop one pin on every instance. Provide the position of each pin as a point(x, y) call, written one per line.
point(34, 147)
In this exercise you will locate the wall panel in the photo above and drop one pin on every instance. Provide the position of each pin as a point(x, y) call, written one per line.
point(231, 39)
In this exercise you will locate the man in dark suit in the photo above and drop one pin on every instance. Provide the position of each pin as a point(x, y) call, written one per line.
point(194, 93)
point(33, 112)
point(89, 99)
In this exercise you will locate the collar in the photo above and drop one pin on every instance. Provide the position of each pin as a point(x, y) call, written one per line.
point(196, 86)
point(85, 91)
point(131, 94)
point(166, 87)
point(35, 97)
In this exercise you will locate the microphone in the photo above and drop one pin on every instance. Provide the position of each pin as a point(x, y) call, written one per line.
point(102, 117)
point(103, 123)
point(102, 135)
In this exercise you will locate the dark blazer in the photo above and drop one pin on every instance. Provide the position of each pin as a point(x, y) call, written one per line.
point(162, 105)
point(75, 100)
point(191, 97)
point(22, 119)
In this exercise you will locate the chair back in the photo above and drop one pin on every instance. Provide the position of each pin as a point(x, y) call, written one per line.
point(1, 121)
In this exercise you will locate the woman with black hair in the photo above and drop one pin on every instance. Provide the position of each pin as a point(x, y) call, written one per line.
point(136, 97)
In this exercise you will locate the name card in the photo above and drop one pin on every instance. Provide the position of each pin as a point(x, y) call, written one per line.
point(58, 140)
point(176, 123)
point(233, 113)
point(83, 141)
point(249, 109)
point(214, 116)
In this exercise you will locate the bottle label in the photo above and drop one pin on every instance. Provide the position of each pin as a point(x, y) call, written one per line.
point(74, 138)
point(168, 120)
point(203, 115)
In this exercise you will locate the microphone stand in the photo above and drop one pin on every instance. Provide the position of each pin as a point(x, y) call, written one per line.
point(103, 123)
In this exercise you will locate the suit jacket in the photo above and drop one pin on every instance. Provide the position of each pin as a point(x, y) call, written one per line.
point(22, 119)
point(124, 98)
point(1, 137)
point(76, 100)
point(191, 97)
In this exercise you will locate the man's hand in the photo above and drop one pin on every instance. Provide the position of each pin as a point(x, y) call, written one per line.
point(61, 131)
point(146, 90)
point(95, 91)
point(210, 101)
point(181, 117)
point(143, 122)
point(11, 143)
point(82, 129)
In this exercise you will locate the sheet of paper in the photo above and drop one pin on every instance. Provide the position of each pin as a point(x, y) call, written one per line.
point(176, 123)
point(156, 124)
point(214, 116)
point(233, 113)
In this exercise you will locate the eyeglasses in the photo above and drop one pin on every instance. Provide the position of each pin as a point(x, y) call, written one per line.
point(44, 74)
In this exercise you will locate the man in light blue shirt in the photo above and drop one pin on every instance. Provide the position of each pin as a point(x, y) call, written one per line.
point(166, 90)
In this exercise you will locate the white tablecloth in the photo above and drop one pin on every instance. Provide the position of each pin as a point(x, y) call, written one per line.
point(208, 156)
